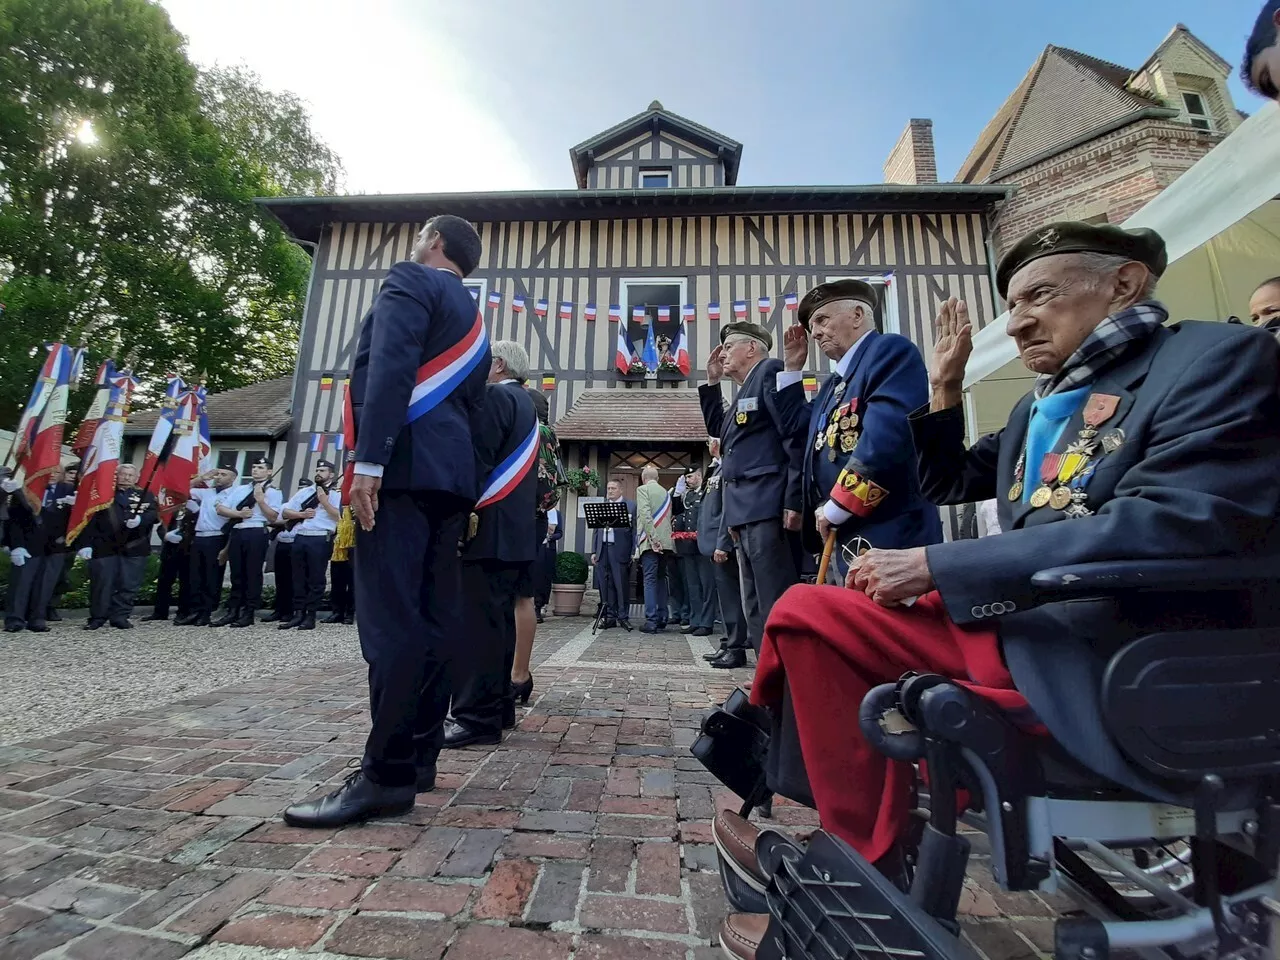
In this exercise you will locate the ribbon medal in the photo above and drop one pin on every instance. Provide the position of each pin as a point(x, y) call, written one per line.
point(1041, 495)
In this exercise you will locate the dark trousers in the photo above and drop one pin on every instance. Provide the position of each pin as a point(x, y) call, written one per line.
point(729, 593)
point(247, 554)
point(31, 590)
point(544, 569)
point(612, 582)
point(480, 672)
point(113, 585)
point(700, 586)
point(175, 567)
point(409, 591)
point(768, 568)
point(310, 561)
point(206, 575)
point(654, 565)
point(677, 597)
point(342, 587)
point(284, 578)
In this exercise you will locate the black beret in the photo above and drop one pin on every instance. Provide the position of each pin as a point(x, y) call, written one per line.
point(1072, 236)
point(834, 290)
point(323, 463)
point(747, 329)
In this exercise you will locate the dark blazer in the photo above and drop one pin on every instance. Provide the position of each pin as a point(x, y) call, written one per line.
point(1197, 474)
point(687, 509)
point(23, 529)
point(506, 530)
point(886, 380)
point(107, 534)
point(419, 314)
point(758, 443)
point(713, 535)
point(623, 539)
point(54, 518)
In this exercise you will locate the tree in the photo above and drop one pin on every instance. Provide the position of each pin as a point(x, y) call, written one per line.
point(127, 219)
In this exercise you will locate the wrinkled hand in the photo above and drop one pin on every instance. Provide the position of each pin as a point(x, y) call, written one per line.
point(791, 520)
point(795, 347)
point(715, 365)
point(891, 577)
point(953, 342)
point(822, 523)
point(132, 522)
point(364, 499)
point(720, 557)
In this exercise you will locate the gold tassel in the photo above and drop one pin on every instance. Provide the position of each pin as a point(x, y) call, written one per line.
point(345, 538)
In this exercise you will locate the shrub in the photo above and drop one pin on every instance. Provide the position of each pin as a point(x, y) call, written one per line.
point(571, 568)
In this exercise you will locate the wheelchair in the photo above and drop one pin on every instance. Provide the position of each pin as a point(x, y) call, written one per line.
point(1194, 712)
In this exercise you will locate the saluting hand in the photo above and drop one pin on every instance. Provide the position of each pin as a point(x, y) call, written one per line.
point(952, 345)
point(715, 365)
point(795, 347)
point(364, 499)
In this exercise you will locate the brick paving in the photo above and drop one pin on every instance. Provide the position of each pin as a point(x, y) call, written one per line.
point(586, 834)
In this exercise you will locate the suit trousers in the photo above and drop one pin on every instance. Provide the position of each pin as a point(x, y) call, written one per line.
point(113, 584)
point(677, 596)
point(729, 593)
point(247, 555)
point(310, 563)
point(206, 575)
point(654, 566)
point(342, 586)
point(480, 671)
point(614, 592)
point(700, 587)
point(767, 567)
point(283, 566)
point(31, 590)
point(409, 592)
point(175, 567)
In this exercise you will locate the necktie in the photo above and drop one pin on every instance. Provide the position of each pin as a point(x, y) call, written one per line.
point(1049, 416)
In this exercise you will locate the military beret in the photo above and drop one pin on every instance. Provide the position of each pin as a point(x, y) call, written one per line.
point(323, 463)
point(1071, 236)
point(747, 329)
point(834, 290)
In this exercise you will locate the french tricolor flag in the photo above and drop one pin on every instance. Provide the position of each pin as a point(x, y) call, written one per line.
point(764, 305)
point(589, 311)
point(626, 353)
point(638, 315)
point(495, 299)
point(664, 314)
point(566, 310)
point(615, 312)
point(740, 309)
point(680, 351)
point(791, 301)
point(689, 313)
point(540, 308)
point(713, 310)
point(517, 304)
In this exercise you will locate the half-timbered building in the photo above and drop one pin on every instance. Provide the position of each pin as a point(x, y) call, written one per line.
point(657, 224)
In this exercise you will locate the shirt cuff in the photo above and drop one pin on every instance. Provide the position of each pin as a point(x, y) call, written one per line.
point(786, 378)
point(835, 513)
point(365, 469)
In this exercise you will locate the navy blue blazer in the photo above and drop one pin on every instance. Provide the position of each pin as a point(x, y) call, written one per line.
point(873, 471)
point(506, 529)
point(624, 539)
point(1196, 473)
point(419, 314)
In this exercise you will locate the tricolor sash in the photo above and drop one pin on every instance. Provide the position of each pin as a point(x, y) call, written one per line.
point(438, 377)
point(659, 515)
point(507, 475)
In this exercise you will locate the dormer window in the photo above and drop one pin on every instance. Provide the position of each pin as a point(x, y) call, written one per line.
point(655, 179)
point(1197, 112)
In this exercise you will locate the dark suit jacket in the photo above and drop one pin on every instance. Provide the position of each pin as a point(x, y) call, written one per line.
point(420, 313)
point(107, 534)
point(885, 382)
point(623, 539)
point(1197, 474)
point(713, 535)
point(506, 530)
point(758, 444)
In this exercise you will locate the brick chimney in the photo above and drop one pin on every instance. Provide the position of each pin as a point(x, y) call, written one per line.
point(912, 160)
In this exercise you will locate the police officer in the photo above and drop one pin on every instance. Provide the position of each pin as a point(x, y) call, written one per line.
point(759, 439)
point(253, 507)
point(206, 570)
point(282, 564)
point(120, 538)
point(314, 513)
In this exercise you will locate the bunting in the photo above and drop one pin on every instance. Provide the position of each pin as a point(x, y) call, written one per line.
point(495, 300)
point(540, 308)
point(589, 311)
point(517, 304)
point(615, 313)
point(713, 310)
point(566, 310)
point(689, 313)
point(764, 305)
point(740, 309)
point(791, 301)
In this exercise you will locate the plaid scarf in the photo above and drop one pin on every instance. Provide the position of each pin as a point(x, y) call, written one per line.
point(1115, 337)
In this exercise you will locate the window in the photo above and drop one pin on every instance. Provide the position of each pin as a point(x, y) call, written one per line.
point(238, 460)
point(1197, 112)
point(886, 312)
point(654, 179)
point(650, 295)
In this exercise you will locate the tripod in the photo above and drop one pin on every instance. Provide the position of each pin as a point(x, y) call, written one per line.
point(606, 515)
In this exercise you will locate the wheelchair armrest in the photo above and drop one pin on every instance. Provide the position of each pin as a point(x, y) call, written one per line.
point(1110, 577)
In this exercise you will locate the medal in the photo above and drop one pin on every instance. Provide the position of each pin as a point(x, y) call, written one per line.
point(847, 442)
point(1048, 474)
point(853, 420)
point(844, 423)
point(819, 443)
point(1112, 439)
point(1015, 491)
point(1098, 409)
point(741, 418)
point(838, 392)
point(831, 454)
point(1060, 498)
point(1040, 496)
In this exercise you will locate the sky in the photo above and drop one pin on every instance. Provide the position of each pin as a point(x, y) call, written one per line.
point(424, 96)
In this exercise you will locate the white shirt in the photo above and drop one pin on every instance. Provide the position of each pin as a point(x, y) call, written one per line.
point(206, 500)
point(321, 522)
point(256, 519)
point(608, 531)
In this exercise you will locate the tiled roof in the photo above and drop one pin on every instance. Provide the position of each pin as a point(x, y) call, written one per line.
point(635, 414)
point(1066, 96)
point(258, 410)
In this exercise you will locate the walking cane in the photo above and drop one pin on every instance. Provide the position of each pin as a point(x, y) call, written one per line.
point(827, 549)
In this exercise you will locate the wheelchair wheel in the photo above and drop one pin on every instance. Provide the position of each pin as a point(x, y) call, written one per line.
point(1148, 881)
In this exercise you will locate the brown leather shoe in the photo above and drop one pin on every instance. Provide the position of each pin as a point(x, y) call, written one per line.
point(735, 838)
point(742, 933)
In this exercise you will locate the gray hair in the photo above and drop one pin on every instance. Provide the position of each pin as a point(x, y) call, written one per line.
point(649, 473)
point(514, 356)
point(1099, 265)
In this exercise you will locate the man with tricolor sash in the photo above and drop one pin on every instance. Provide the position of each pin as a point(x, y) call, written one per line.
point(654, 546)
point(417, 387)
point(499, 550)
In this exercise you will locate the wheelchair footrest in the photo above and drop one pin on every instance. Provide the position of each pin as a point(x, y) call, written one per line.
point(829, 903)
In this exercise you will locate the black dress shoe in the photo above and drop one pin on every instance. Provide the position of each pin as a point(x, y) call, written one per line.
point(188, 621)
point(308, 622)
point(686, 629)
point(94, 624)
point(272, 617)
point(155, 616)
point(359, 798)
point(702, 631)
point(38, 627)
point(294, 621)
point(201, 620)
point(426, 778)
point(724, 645)
point(523, 690)
point(228, 618)
point(730, 659)
point(19, 627)
point(122, 624)
point(52, 615)
point(244, 620)
point(459, 735)
point(349, 618)
point(332, 618)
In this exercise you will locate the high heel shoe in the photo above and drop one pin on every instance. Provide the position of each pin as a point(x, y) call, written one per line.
point(522, 691)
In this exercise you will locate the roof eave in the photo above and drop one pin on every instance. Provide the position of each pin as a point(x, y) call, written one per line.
point(1146, 113)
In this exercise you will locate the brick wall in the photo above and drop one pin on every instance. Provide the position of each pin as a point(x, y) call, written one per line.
point(1113, 176)
point(912, 159)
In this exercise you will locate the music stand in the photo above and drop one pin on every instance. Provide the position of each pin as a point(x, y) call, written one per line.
point(607, 515)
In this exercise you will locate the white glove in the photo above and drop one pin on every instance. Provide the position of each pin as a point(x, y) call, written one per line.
point(85, 553)
point(19, 556)
point(67, 501)
point(681, 487)
point(173, 536)
point(133, 522)
point(9, 485)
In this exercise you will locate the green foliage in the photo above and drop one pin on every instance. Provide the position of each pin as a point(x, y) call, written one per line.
point(583, 480)
point(570, 568)
point(141, 237)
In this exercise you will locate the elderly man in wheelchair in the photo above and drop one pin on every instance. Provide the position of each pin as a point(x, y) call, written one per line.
point(1097, 688)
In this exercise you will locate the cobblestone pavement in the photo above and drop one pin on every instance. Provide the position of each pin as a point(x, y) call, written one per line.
point(154, 834)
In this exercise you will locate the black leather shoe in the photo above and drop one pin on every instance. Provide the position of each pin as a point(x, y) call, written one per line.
point(226, 619)
point(272, 617)
point(155, 616)
point(459, 735)
point(94, 624)
point(294, 621)
point(724, 644)
point(509, 716)
point(608, 624)
point(349, 618)
point(686, 629)
point(359, 798)
point(332, 618)
point(308, 622)
point(38, 627)
point(201, 620)
point(52, 615)
point(426, 778)
point(244, 620)
point(188, 621)
point(522, 691)
point(122, 624)
point(702, 631)
point(19, 627)
point(730, 659)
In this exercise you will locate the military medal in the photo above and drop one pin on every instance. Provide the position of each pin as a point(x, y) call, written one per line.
point(831, 454)
point(853, 420)
point(1098, 409)
point(741, 418)
point(1015, 491)
point(847, 443)
point(844, 423)
point(1112, 439)
point(1060, 498)
point(819, 443)
point(838, 392)
point(1041, 495)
